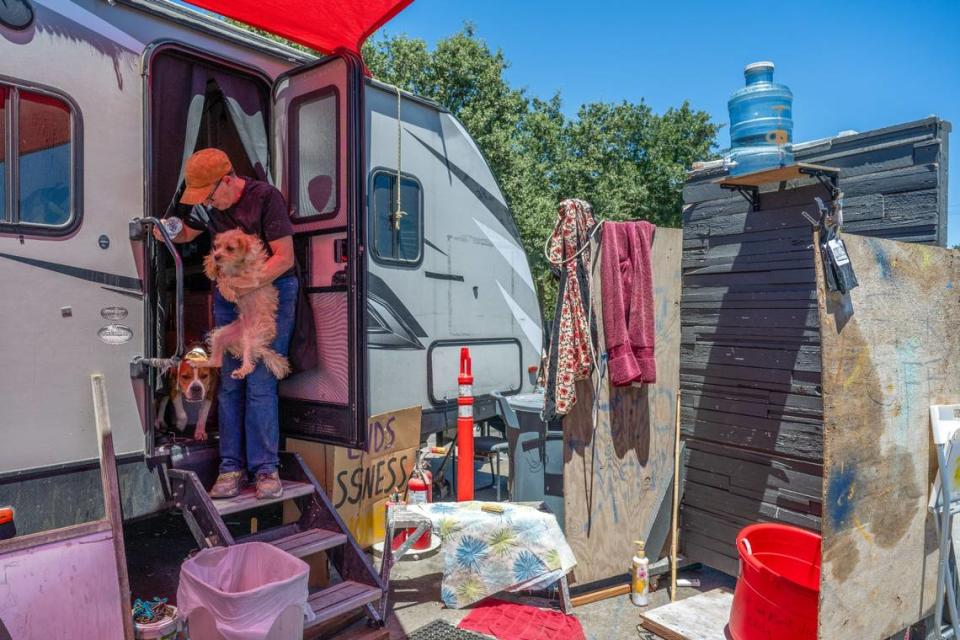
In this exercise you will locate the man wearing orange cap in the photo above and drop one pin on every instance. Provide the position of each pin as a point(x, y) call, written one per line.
point(248, 408)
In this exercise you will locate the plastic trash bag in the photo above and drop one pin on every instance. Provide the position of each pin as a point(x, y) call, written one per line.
point(240, 592)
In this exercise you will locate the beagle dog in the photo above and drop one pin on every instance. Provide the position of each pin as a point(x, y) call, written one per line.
point(193, 384)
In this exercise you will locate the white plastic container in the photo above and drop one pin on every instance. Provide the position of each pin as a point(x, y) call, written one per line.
point(640, 582)
point(168, 628)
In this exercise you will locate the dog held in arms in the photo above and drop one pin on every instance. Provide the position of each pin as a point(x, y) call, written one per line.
point(236, 263)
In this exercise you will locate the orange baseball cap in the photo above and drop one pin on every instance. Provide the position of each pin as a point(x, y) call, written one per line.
point(203, 169)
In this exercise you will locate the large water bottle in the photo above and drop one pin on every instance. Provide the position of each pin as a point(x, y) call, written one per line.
point(761, 122)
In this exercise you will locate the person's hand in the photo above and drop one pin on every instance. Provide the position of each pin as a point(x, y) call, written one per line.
point(157, 234)
point(242, 291)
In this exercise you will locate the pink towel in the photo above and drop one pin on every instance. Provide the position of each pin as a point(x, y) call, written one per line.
point(627, 280)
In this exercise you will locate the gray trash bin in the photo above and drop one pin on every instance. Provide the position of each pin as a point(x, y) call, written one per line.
point(536, 453)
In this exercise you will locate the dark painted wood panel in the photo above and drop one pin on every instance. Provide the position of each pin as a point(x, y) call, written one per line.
point(752, 406)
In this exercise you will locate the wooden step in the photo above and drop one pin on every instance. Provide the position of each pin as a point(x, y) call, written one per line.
point(339, 599)
point(305, 543)
point(248, 497)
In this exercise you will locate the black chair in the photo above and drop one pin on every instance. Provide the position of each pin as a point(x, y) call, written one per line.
point(490, 447)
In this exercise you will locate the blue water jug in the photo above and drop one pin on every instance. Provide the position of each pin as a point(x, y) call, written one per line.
point(761, 122)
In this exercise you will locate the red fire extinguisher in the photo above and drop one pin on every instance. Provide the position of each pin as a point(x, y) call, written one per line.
point(419, 491)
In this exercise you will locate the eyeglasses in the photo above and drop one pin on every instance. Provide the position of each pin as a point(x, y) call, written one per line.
point(209, 199)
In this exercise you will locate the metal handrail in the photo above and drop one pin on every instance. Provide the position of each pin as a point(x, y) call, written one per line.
point(144, 224)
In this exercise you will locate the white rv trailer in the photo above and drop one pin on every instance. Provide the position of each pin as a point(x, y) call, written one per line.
point(100, 102)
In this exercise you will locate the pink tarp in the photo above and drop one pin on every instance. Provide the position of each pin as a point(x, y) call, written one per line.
point(324, 25)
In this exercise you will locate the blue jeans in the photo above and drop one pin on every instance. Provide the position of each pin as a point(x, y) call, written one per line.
point(248, 408)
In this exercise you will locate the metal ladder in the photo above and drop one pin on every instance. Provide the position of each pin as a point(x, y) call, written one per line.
point(319, 528)
point(944, 504)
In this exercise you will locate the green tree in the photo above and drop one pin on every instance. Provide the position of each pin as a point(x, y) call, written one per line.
point(626, 160)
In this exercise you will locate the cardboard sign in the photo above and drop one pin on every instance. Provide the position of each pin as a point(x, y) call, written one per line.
point(359, 482)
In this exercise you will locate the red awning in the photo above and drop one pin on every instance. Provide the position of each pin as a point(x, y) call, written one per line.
point(324, 25)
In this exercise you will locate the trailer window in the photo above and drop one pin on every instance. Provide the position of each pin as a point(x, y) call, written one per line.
point(4, 94)
point(397, 238)
point(44, 141)
point(37, 168)
point(313, 144)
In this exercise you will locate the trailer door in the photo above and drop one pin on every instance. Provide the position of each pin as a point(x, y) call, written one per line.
point(318, 160)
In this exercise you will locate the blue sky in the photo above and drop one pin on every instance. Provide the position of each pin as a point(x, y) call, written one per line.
point(851, 65)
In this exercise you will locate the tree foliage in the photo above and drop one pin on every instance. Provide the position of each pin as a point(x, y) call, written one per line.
point(626, 160)
point(623, 158)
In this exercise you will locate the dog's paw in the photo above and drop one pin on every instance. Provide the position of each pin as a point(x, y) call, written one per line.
point(241, 372)
point(228, 293)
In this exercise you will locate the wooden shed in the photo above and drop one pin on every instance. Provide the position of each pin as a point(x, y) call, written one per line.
point(809, 408)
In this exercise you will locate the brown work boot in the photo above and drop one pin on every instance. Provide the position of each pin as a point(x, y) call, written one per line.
point(269, 486)
point(228, 485)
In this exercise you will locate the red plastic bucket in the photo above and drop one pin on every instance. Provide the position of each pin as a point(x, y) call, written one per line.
point(779, 584)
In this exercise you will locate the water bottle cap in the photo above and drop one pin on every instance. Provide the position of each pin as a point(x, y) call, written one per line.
point(754, 66)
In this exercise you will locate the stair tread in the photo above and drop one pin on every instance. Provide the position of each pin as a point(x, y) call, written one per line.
point(305, 543)
point(339, 599)
point(248, 497)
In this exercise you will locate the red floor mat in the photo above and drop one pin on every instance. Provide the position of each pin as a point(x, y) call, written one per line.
point(508, 621)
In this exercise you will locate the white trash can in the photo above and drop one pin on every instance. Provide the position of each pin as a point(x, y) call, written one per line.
point(250, 591)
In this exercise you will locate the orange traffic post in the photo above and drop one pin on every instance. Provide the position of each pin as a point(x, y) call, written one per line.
point(465, 428)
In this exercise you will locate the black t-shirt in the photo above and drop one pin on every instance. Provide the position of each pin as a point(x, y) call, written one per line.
point(260, 211)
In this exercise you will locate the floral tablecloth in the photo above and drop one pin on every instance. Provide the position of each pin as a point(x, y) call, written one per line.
point(485, 553)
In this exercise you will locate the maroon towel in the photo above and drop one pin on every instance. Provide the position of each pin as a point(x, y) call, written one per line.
point(627, 280)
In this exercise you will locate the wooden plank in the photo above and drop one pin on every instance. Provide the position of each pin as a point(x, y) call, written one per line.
point(339, 599)
point(702, 617)
point(780, 174)
point(754, 478)
point(719, 561)
point(618, 473)
point(721, 502)
point(62, 534)
point(890, 350)
point(600, 594)
point(309, 542)
point(248, 500)
point(111, 495)
point(800, 359)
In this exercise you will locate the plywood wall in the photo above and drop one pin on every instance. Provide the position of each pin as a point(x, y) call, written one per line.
point(890, 349)
point(617, 473)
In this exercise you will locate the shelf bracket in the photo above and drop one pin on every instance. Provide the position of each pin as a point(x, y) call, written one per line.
point(829, 180)
point(750, 194)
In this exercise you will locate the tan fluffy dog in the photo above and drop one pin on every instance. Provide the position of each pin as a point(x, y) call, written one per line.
point(236, 263)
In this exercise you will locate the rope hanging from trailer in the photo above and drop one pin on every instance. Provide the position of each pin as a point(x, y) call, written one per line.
point(398, 213)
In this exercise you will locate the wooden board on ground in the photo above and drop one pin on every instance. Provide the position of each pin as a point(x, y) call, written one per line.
point(617, 474)
point(600, 594)
point(891, 348)
point(702, 617)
